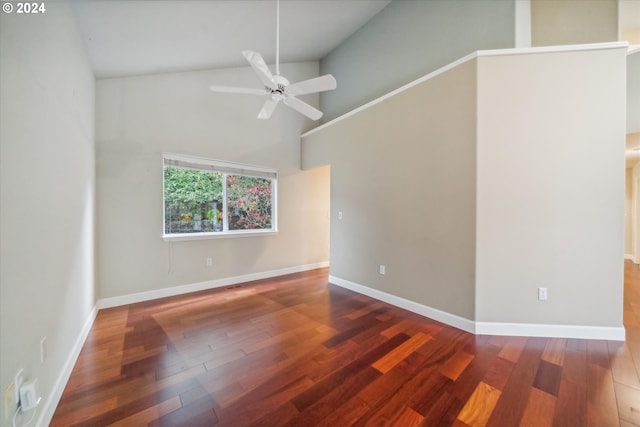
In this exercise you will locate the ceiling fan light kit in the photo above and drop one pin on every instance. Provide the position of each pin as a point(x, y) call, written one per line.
point(277, 88)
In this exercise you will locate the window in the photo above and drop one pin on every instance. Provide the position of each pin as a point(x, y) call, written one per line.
point(208, 198)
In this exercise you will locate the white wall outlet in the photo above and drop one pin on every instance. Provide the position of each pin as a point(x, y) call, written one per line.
point(383, 269)
point(209, 262)
point(18, 379)
point(43, 349)
point(542, 294)
point(339, 214)
point(29, 397)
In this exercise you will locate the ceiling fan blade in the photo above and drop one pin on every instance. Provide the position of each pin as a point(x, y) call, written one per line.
point(318, 84)
point(267, 109)
point(302, 107)
point(260, 67)
point(244, 90)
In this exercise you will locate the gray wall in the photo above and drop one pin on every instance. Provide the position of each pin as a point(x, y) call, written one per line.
point(47, 195)
point(635, 212)
point(408, 39)
point(566, 22)
point(551, 145)
point(544, 208)
point(633, 92)
point(139, 118)
point(628, 212)
point(402, 174)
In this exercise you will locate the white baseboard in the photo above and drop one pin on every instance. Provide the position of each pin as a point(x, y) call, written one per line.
point(630, 257)
point(423, 310)
point(51, 401)
point(488, 328)
point(201, 286)
point(551, 331)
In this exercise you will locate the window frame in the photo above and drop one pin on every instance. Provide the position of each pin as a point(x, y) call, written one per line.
point(225, 168)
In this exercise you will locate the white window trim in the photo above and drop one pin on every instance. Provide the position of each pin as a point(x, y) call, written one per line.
point(179, 237)
point(172, 159)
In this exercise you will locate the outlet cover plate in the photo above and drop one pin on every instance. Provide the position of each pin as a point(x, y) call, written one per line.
point(542, 294)
point(18, 379)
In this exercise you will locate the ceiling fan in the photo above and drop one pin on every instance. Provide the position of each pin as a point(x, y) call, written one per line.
point(276, 87)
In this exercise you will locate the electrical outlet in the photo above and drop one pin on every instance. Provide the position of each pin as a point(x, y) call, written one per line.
point(18, 379)
point(209, 262)
point(383, 269)
point(542, 294)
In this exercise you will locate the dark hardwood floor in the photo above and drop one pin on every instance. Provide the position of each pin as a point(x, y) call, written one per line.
point(295, 351)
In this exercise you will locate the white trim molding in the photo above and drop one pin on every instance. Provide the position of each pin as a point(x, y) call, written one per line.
point(51, 401)
point(469, 57)
point(551, 331)
point(423, 310)
point(488, 328)
point(201, 286)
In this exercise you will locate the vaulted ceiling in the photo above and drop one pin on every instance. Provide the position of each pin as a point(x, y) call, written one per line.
point(130, 37)
point(136, 37)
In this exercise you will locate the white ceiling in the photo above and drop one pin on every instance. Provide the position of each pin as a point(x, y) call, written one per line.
point(133, 37)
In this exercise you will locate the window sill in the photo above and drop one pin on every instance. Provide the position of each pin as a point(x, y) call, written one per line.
point(178, 237)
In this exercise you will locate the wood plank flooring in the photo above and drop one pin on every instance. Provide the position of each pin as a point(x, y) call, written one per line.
point(295, 351)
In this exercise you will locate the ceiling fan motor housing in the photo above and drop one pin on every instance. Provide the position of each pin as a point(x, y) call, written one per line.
point(280, 93)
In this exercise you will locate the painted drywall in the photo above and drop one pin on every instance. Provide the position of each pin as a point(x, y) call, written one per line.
point(545, 207)
point(47, 196)
point(632, 36)
point(635, 213)
point(403, 177)
point(632, 226)
point(567, 22)
point(628, 212)
point(551, 145)
point(523, 23)
point(633, 92)
point(409, 39)
point(629, 21)
point(139, 118)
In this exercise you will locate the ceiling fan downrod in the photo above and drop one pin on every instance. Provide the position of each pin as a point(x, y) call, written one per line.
point(277, 87)
point(278, 37)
